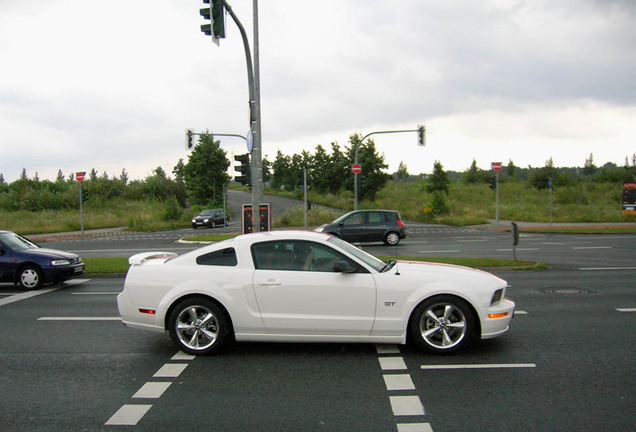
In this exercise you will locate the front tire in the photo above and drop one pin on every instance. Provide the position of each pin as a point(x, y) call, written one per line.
point(30, 278)
point(198, 326)
point(443, 325)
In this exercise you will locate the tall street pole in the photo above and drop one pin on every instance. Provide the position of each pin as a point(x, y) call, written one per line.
point(257, 158)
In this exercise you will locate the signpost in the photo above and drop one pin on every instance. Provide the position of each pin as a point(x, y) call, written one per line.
point(80, 176)
point(496, 167)
point(356, 168)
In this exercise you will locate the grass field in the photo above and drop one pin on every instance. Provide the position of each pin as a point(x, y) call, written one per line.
point(470, 204)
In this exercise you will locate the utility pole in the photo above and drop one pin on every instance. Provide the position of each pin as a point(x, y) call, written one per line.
point(254, 138)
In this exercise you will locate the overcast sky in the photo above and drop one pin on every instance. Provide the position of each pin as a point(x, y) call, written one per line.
point(113, 85)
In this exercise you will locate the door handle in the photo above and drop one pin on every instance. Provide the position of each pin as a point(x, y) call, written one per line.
point(270, 282)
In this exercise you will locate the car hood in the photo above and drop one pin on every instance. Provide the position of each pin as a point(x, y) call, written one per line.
point(461, 276)
point(50, 253)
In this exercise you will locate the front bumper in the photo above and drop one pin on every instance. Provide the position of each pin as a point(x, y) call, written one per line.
point(62, 273)
point(496, 320)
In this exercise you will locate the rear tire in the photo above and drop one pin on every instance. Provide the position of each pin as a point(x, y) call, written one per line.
point(392, 238)
point(198, 326)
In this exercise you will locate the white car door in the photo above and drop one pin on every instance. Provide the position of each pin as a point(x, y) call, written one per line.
point(298, 291)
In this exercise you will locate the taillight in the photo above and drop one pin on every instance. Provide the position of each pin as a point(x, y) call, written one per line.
point(400, 223)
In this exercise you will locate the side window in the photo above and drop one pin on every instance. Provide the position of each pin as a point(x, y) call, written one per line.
point(375, 217)
point(296, 256)
point(355, 219)
point(225, 257)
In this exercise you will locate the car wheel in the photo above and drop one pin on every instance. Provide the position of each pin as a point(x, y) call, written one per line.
point(30, 278)
point(443, 325)
point(392, 238)
point(198, 326)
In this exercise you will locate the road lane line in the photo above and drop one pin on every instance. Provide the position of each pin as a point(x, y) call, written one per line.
point(97, 293)
point(392, 363)
point(591, 247)
point(396, 382)
point(406, 405)
point(479, 366)
point(387, 349)
point(128, 415)
point(414, 427)
point(183, 356)
point(152, 390)
point(170, 370)
point(626, 309)
point(518, 249)
point(79, 319)
point(605, 268)
point(441, 251)
point(25, 295)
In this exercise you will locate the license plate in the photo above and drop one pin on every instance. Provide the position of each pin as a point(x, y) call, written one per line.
point(79, 269)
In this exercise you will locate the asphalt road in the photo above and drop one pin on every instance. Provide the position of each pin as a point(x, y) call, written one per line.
point(566, 364)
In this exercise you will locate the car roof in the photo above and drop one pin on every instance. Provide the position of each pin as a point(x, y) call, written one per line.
point(283, 235)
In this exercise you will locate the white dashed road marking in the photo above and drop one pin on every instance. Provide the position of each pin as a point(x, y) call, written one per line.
point(170, 370)
point(406, 405)
point(397, 384)
point(152, 390)
point(392, 363)
point(131, 414)
point(128, 415)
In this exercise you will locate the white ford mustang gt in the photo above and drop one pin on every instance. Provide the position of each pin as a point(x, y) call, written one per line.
point(290, 286)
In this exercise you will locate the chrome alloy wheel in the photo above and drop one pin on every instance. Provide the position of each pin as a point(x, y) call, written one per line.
point(197, 328)
point(443, 326)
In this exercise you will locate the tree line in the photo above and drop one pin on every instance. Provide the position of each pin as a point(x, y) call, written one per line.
point(202, 179)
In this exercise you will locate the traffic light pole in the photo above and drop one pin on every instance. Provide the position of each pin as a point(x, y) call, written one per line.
point(253, 78)
point(355, 175)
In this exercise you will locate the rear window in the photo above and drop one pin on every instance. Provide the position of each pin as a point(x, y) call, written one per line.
point(224, 257)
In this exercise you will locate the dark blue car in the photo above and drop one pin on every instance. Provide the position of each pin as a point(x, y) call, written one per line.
point(31, 266)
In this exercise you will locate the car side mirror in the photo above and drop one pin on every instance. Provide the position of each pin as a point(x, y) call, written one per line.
point(344, 266)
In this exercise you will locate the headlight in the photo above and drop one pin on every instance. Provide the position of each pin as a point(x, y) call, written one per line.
point(194, 220)
point(60, 262)
point(497, 296)
point(206, 220)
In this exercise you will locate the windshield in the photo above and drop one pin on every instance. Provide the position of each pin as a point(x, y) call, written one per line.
point(16, 242)
point(206, 213)
point(363, 256)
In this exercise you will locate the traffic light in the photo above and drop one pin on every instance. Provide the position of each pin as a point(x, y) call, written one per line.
point(215, 12)
point(421, 135)
point(189, 141)
point(243, 168)
point(83, 194)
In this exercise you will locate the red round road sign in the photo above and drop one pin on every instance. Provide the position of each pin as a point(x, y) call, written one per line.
point(356, 168)
point(79, 176)
point(496, 166)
